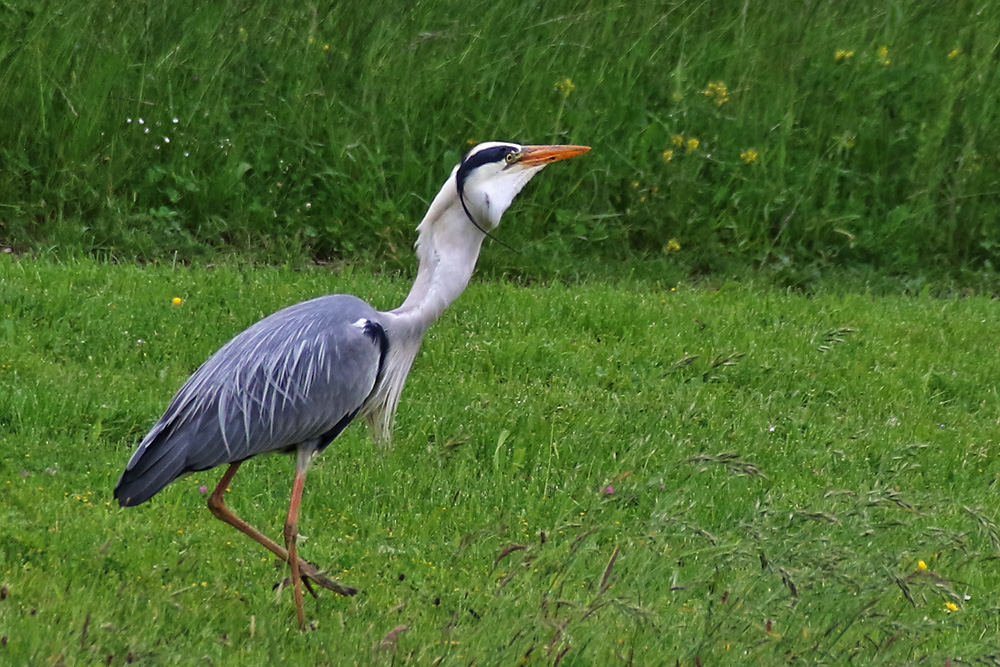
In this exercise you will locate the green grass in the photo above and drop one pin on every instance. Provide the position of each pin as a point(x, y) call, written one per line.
point(323, 131)
point(598, 460)
point(624, 473)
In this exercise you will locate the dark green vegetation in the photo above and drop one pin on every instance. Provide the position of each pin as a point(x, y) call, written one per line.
point(613, 474)
point(804, 134)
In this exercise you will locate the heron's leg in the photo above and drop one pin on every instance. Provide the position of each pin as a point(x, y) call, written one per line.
point(218, 507)
point(303, 458)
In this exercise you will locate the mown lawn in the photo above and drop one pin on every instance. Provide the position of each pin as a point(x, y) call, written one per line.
point(618, 473)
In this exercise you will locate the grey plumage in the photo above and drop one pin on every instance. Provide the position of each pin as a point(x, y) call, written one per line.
point(299, 375)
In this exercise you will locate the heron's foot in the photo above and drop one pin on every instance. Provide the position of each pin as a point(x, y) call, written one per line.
point(310, 572)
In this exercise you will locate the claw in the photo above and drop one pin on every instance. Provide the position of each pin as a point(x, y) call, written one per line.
point(310, 571)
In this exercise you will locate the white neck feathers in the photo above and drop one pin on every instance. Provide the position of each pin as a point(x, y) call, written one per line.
point(447, 249)
point(448, 245)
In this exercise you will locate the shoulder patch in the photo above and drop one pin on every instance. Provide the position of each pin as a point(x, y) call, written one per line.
point(376, 333)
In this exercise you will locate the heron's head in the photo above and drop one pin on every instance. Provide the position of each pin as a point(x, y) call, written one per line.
point(492, 173)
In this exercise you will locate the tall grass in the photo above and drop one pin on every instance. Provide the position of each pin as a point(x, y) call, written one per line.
point(826, 133)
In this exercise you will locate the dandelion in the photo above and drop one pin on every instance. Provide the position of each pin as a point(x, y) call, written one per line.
point(691, 143)
point(951, 606)
point(667, 155)
point(677, 140)
point(921, 565)
point(672, 246)
point(883, 55)
point(565, 86)
point(749, 155)
point(177, 301)
point(840, 55)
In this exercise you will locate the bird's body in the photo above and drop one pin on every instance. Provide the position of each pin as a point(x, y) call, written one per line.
point(294, 380)
point(297, 376)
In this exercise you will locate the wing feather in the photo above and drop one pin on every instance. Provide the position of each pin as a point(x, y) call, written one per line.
point(296, 376)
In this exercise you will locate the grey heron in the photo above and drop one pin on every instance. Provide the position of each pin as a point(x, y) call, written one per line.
point(294, 380)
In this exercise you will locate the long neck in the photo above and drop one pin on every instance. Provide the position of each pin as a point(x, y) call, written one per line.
point(447, 249)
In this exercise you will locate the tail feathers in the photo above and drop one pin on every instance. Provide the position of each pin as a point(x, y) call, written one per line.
point(159, 460)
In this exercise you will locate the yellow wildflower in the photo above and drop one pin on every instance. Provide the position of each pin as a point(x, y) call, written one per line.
point(954, 53)
point(718, 91)
point(921, 565)
point(846, 139)
point(177, 301)
point(677, 140)
point(565, 86)
point(840, 55)
point(672, 246)
point(749, 155)
point(667, 155)
point(951, 606)
point(692, 143)
point(883, 54)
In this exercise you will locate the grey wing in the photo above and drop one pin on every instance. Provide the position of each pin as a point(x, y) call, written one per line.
point(297, 376)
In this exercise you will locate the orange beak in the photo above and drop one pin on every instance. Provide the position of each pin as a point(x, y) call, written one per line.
point(542, 155)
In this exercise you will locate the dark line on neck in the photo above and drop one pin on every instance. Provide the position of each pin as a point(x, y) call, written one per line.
point(461, 198)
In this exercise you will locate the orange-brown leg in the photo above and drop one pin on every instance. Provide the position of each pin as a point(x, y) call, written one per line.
point(218, 507)
point(302, 459)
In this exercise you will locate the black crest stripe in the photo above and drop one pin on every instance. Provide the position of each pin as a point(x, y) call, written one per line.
point(478, 159)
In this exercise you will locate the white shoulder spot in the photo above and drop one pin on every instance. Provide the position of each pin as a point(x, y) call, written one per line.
point(361, 324)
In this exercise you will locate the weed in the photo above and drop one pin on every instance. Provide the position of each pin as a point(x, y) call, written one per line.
point(787, 137)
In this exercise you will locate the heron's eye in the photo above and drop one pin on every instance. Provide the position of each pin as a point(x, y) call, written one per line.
point(510, 157)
